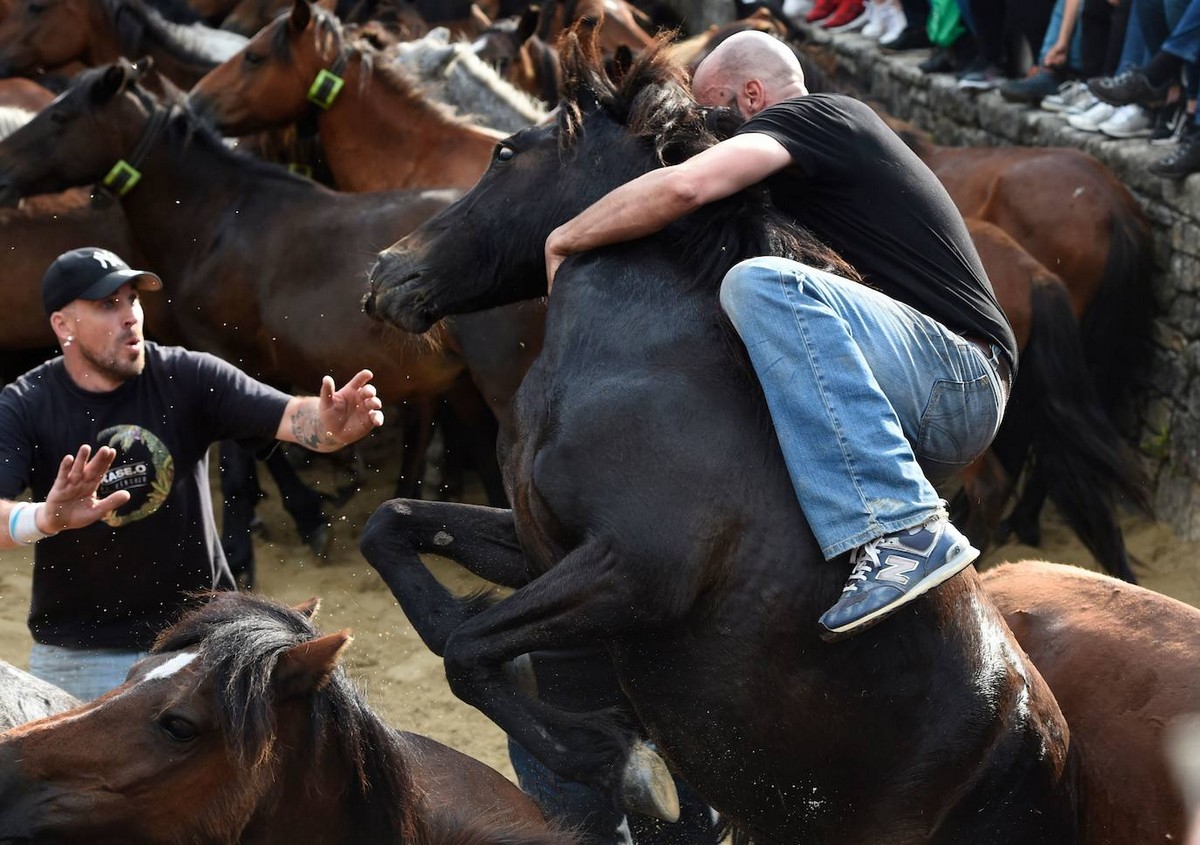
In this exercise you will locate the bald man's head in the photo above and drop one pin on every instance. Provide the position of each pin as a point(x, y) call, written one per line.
point(749, 70)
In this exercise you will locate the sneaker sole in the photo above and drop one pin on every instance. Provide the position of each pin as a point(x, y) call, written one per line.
point(857, 23)
point(940, 576)
point(1123, 136)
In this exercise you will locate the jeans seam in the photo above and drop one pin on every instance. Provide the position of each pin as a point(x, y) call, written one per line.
point(837, 423)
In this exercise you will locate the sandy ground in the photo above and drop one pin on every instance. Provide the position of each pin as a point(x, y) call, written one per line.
point(405, 682)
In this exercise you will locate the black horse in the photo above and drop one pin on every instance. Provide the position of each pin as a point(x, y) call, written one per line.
point(652, 513)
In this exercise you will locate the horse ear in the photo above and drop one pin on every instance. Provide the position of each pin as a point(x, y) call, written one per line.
point(301, 15)
point(113, 79)
point(308, 609)
point(306, 668)
point(143, 66)
point(528, 23)
point(479, 17)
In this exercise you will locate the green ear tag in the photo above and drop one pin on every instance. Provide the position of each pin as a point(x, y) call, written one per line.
point(300, 169)
point(121, 179)
point(325, 88)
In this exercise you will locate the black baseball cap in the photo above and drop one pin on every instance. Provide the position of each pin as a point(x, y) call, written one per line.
point(90, 273)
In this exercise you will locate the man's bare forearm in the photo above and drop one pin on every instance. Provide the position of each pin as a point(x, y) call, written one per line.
point(306, 426)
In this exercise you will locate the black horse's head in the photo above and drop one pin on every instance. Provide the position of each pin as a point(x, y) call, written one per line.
point(488, 248)
point(78, 138)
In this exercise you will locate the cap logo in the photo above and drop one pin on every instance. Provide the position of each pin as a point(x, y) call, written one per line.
point(106, 259)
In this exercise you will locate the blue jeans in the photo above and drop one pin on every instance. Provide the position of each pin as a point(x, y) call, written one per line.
point(1160, 19)
point(1075, 51)
point(1184, 40)
point(85, 673)
point(871, 399)
point(1134, 52)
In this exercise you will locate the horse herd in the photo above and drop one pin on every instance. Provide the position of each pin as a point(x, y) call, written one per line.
point(1026, 705)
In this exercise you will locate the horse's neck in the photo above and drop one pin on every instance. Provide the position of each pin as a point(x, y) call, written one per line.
point(186, 192)
point(376, 138)
point(172, 60)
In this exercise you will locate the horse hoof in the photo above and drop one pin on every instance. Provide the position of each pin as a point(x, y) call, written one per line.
point(647, 786)
point(520, 672)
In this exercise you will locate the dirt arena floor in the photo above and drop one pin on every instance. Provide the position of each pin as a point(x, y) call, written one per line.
point(405, 683)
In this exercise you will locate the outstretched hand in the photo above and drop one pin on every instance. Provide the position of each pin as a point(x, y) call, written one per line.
point(72, 502)
point(349, 414)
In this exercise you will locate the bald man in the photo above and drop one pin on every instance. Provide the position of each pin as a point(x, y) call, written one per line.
point(878, 391)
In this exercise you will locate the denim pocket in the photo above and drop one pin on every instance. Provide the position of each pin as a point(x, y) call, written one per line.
point(958, 424)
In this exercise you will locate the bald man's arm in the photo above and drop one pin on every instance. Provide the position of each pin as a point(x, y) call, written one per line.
point(657, 199)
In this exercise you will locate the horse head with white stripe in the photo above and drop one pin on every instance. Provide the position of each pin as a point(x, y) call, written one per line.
point(242, 727)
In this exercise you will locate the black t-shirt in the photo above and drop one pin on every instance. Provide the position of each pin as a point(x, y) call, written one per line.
point(116, 583)
point(856, 186)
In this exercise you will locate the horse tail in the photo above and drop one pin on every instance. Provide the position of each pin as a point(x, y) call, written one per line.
point(1117, 325)
point(1077, 454)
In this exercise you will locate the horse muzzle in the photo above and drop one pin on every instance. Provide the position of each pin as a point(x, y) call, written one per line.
point(10, 196)
point(399, 295)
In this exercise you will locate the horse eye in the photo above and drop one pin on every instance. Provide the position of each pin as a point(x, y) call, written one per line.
point(59, 117)
point(253, 59)
point(505, 153)
point(178, 728)
point(36, 8)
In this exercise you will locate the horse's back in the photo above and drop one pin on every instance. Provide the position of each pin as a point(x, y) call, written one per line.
point(452, 781)
point(24, 698)
point(1123, 662)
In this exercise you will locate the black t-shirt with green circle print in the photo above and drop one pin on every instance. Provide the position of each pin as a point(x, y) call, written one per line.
point(116, 583)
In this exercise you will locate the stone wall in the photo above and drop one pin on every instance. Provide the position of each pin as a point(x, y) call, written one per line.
point(1168, 429)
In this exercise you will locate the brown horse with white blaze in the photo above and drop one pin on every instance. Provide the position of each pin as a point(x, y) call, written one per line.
point(242, 727)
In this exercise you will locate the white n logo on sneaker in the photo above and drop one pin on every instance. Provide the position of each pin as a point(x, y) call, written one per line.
point(894, 569)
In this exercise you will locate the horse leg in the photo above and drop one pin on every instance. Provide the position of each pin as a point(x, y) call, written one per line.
point(482, 539)
point(417, 429)
point(1025, 518)
point(301, 501)
point(986, 488)
point(589, 597)
point(471, 428)
point(240, 494)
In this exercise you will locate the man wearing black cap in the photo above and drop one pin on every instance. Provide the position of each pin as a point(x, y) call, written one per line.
point(112, 438)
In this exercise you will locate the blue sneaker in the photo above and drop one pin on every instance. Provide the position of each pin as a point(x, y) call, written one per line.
point(892, 571)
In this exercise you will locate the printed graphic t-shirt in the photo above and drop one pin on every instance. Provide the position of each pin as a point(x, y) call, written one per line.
point(864, 193)
point(116, 583)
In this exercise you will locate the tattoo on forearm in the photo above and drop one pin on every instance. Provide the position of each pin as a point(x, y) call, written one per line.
point(308, 431)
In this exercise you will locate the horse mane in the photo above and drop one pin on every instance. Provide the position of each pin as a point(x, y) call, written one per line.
point(653, 102)
point(332, 36)
point(240, 638)
point(174, 28)
point(13, 118)
point(425, 55)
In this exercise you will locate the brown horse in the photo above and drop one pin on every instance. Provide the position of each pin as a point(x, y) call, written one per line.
point(95, 32)
point(242, 727)
point(379, 132)
point(513, 47)
point(653, 514)
point(1054, 414)
point(1072, 214)
point(1123, 664)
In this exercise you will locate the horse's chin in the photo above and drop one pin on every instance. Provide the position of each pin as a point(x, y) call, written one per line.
point(402, 307)
point(10, 197)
